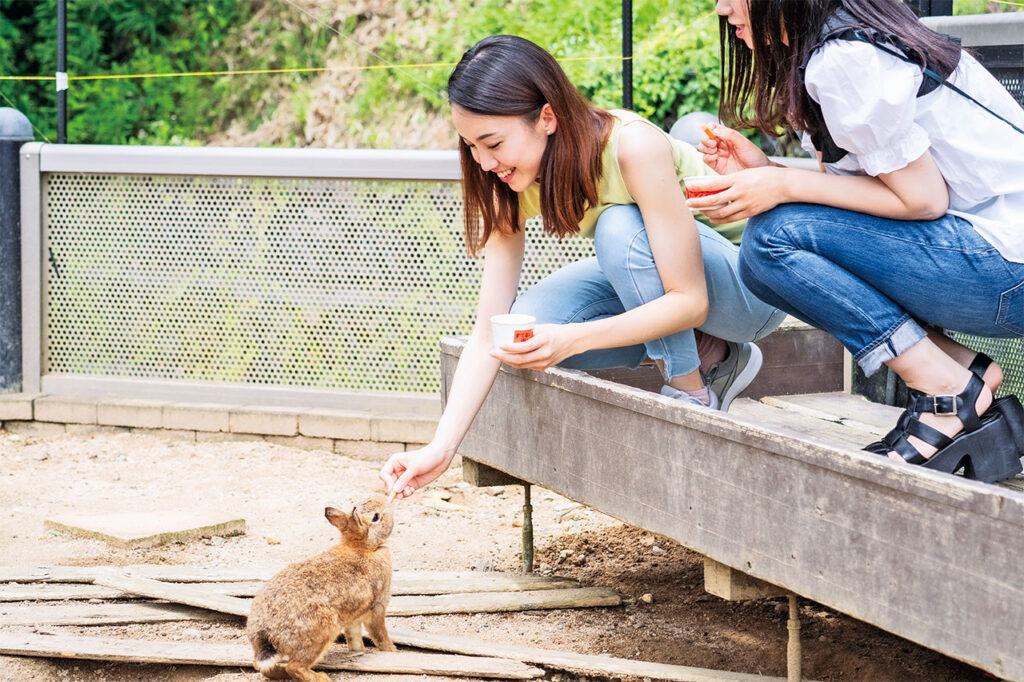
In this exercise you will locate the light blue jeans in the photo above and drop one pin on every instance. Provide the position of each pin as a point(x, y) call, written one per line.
point(623, 276)
point(869, 281)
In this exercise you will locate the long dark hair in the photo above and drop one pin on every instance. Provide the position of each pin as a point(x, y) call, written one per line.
point(510, 76)
point(764, 88)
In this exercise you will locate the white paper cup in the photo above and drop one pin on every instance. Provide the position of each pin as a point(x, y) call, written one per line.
point(692, 186)
point(511, 328)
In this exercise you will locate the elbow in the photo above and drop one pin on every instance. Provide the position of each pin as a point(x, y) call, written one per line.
point(699, 313)
point(928, 208)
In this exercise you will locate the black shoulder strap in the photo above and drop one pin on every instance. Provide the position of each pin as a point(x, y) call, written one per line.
point(842, 25)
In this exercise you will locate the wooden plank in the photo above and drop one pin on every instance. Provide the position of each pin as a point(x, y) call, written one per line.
point(799, 424)
point(865, 536)
point(190, 595)
point(583, 664)
point(99, 614)
point(402, 582)
point(854, 411)
point(236, 654)
point(398, 606)
point(11, 592)
point(490, 602)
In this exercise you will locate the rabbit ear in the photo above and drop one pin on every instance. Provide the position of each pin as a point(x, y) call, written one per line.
point(338, 518)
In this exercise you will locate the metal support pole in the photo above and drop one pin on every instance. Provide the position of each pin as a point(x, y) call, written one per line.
point(627, 54)
point(793, 646)
point(62, 69)
point(15, 130)
point(527, 530)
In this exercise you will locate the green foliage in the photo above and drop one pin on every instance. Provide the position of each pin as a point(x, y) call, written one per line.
point(675, 64)
point(675, 47)
point(112, 37)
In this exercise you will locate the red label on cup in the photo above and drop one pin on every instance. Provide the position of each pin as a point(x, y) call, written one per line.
point(522, 335)
point(694, 193)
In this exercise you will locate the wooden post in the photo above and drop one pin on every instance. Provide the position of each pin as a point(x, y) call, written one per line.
point(793, 645)
point(527, 530)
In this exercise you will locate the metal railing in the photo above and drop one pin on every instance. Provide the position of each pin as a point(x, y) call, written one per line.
point(184, 271)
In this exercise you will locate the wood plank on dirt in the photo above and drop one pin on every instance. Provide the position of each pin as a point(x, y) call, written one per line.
point(240, 654)
point(583, 664)
point(398, 606)
point(190, 595)
point(11, 592)
point(489, 602)
point(402, 582)
point(99, 614)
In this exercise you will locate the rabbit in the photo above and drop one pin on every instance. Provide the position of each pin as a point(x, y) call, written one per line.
point(298, 614)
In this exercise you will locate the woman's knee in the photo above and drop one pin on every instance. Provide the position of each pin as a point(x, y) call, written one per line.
point(617, 230)
point(764, 236)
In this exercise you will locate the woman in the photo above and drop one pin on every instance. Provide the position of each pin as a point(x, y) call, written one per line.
point(916, 223)
point(531, 145)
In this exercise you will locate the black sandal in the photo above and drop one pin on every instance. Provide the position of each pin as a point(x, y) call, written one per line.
point(1009, 405)
point(979, 365)
point(989, 447)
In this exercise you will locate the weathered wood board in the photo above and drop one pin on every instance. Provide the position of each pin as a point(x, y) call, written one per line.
point(79, 613)
point(197, 596)
point(928, 556)
point(240, 654)
point(402, 582)
point(584, 664)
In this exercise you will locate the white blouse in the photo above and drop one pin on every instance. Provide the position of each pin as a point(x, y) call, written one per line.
point(869, 101)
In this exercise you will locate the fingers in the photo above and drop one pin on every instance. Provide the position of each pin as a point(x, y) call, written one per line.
point(405, 485)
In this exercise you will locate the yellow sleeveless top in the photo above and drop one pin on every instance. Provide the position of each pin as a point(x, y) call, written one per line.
point(611, 188)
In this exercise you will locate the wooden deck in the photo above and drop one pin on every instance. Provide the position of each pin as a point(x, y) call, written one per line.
point(777, 488)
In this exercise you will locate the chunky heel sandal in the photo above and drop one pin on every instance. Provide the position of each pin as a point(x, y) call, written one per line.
point(987, 449)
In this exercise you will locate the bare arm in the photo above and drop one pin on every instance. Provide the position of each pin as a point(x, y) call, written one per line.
point(408, 471)
point(915, 192)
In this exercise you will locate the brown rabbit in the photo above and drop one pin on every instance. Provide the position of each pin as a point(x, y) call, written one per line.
point(303, 609)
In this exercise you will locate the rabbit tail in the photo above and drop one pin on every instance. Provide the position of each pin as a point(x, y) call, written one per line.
point(267, 659)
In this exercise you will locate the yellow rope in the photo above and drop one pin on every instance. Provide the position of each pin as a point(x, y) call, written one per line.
point(249, 72)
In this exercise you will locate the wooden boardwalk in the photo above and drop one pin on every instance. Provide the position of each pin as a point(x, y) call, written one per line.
point(779, 489)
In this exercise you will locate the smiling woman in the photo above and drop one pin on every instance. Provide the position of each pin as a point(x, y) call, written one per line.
point(531, 145)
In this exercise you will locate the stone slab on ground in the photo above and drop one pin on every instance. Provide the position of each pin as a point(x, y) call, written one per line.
point(148, 529)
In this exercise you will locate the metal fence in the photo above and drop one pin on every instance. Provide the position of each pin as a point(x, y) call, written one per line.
point(276, 268)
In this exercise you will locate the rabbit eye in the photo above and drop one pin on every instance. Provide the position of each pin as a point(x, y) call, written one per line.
point(376, 517)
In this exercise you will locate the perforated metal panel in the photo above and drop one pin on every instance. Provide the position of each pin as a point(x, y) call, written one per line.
point(294, 282)
point(1009, 353)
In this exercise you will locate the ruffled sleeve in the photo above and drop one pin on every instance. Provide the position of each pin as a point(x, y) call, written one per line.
point(868, 99)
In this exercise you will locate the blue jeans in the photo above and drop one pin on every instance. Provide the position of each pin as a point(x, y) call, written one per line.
point(623, 276)
point(870, 281)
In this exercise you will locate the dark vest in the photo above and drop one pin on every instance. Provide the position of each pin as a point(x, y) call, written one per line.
point(841, 25)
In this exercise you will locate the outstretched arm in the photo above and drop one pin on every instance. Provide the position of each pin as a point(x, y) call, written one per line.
point(406, 472)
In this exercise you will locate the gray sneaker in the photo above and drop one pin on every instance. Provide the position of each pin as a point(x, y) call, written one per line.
point(676, 394)
point(730, 377)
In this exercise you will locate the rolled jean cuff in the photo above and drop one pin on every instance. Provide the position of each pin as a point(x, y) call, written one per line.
point(905, 335)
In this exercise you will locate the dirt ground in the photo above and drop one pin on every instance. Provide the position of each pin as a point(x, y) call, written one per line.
point(281, 493)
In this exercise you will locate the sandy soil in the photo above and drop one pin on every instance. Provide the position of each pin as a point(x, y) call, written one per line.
point(281, 492)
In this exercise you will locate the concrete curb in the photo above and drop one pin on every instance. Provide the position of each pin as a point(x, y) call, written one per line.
point(360, 435)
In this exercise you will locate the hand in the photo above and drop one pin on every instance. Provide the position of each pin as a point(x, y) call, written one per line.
point(406, 472)
point(551, 343)
point(744, 193)
point(729, 152)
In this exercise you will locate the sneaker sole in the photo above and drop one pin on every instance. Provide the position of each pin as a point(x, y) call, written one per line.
point(744, 379)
